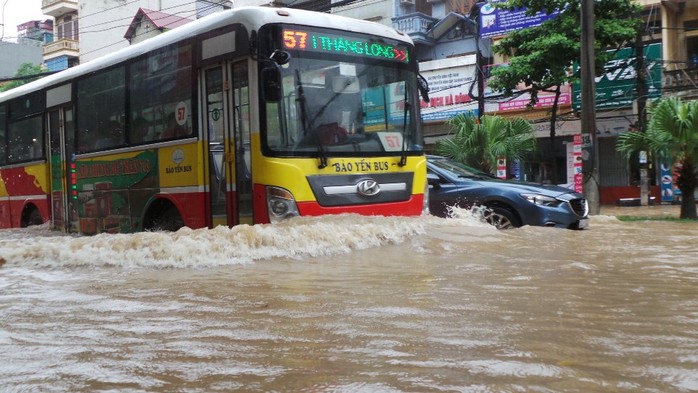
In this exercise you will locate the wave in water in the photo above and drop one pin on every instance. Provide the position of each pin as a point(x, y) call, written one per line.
point(296, 238)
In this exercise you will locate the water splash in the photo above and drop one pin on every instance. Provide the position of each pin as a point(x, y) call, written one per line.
point(296, 238)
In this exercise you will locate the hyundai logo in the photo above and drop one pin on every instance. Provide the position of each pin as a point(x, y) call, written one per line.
point(368, 188)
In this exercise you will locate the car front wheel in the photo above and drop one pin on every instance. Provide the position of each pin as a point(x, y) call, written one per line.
point(501, 218)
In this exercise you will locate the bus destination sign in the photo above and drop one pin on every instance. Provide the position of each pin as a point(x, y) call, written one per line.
point(323, 42)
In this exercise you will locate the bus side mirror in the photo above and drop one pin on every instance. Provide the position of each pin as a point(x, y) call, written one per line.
point(271, 84)
point(423, 87)
point(434, 180)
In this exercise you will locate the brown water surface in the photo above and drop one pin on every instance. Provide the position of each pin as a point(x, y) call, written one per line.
point(354, 304)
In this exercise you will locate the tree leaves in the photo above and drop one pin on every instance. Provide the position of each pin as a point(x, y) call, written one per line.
point(479, 143)
point(672, 133)
point(26, 69)
point(540, 56)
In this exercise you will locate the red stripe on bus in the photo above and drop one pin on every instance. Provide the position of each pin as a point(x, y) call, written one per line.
point(11, 210)
point(411, 207)
point(191, 206)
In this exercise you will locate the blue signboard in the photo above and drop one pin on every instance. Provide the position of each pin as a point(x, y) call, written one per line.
point(667, 183)
point(495, 22)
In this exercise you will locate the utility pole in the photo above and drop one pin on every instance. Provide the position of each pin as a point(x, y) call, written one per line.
point(480, 80)
point(590, 152)
point(478, 63)
point(641, 87)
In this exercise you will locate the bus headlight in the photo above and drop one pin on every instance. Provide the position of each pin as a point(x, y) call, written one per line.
point(281, 204)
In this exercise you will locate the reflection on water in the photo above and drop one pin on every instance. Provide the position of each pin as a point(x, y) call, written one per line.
point(353, 304)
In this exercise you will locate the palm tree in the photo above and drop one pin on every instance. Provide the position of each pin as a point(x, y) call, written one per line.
point(672, 133)
point(480, 142)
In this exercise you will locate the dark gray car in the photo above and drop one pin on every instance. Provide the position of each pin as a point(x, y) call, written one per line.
point(508, 203)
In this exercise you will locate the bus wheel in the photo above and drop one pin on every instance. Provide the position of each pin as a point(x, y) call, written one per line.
point(163, 216)
point(31, 216)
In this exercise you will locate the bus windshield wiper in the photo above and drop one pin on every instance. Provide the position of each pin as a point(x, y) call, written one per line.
point(304, 121)
point(322, 154)
point(406, 132)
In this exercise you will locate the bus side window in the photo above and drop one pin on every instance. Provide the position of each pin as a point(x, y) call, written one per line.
point(140, 130)
point(101, 102)
point(160, 91)
point(113, 135)
point(25, 140)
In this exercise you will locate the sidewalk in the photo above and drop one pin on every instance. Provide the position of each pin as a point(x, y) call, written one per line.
point(654, 210)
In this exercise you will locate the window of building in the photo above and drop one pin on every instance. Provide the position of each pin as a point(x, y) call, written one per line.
point(423, 6)
point(67, 29)
point(691, 34)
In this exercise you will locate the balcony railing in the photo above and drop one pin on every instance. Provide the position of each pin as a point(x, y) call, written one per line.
point(62, 47)
point(416, 25)
point(682, 82)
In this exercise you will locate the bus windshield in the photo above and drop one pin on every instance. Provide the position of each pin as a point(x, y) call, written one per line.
point(339, 104)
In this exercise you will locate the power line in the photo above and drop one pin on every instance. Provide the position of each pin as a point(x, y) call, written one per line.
point(25, 77)
point(185, 15)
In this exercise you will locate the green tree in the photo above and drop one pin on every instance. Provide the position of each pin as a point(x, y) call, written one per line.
point(480, 142)
point(672, 134)
point(26, 69)
point(542, 57)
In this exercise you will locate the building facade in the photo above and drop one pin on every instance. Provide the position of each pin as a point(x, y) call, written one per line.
point(454, 55)
point(64, 50)
point(450, 53)
point(148, 23)
point(104, 23)
point(86, 30)
point(35, 32)
point(14, 54)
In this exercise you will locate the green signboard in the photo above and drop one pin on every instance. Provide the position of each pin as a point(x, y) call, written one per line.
point(617, 87)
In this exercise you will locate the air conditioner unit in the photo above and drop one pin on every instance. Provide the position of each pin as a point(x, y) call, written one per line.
point(407, 2)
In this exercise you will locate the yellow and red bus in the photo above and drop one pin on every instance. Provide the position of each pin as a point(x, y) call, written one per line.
point(251, 115)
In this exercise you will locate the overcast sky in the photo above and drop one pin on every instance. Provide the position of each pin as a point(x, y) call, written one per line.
point(15, 12)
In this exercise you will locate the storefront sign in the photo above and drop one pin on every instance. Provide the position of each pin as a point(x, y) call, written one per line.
point(577, 164)
point(523, 100)
point(502, 167)
point(450, 81)
point(617, 87)
point(496, 22)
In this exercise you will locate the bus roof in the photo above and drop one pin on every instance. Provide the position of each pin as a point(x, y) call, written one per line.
point(251, 17)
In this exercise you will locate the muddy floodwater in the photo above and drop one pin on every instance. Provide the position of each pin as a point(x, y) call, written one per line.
point(353, 304)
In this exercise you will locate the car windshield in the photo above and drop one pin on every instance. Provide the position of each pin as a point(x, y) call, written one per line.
point(458, 169)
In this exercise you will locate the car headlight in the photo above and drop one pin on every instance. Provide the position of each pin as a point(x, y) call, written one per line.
point(281, 204)
point(543, 200)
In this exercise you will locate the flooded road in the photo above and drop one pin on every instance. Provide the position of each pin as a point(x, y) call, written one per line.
point(353, 304)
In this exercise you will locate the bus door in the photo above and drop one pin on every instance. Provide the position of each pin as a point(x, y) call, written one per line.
point(230, 189)
point(60, 125)
point(241, 142)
